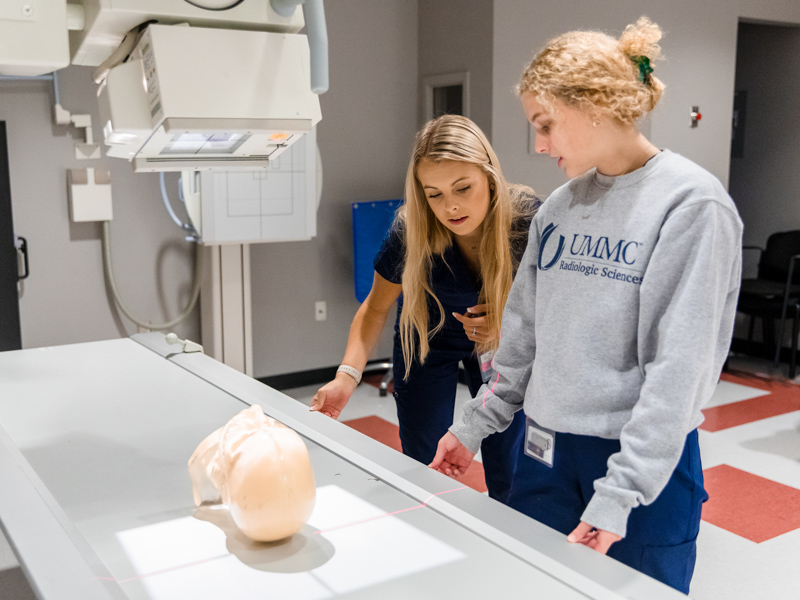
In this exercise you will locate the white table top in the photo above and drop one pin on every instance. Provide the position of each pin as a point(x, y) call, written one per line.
point(102, 433)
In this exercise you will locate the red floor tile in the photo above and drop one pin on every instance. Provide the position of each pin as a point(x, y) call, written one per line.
point(748, 505)
point(378, 429)
point(783, 398)
point(761, 383)
point(748, 380)
point(388, 433)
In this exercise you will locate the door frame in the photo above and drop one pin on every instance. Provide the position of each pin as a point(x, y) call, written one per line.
point(10, 330)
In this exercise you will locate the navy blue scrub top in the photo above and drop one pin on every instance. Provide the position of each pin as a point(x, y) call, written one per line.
point(456, 287)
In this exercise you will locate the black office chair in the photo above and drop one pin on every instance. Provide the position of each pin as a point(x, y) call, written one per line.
point(776, 288)
point(795, 331)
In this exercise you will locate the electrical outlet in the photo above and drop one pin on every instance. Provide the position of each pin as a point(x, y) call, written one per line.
point(321, 310)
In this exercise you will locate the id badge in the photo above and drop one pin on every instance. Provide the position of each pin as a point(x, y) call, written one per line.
point(540, 443)
point(487, 370)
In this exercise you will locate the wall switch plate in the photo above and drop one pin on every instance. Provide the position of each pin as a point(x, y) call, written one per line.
point(320, 310)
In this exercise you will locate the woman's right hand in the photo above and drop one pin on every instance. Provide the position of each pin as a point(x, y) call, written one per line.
point(332, 397)
point(452, 457)
point(476, 326)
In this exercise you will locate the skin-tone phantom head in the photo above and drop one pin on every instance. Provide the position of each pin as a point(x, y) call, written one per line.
point(260, 468)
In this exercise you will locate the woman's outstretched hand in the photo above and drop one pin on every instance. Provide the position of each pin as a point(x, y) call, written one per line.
point(332, 397)
point(596, 539)
point(452, 457)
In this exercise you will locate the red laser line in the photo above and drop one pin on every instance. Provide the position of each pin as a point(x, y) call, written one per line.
point(397, 512)
point(192, 564)
point(463, 487)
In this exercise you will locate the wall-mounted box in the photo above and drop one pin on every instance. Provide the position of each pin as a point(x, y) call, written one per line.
point(89, 195)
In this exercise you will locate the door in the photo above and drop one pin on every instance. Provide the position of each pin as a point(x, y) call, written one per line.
point(10, 335)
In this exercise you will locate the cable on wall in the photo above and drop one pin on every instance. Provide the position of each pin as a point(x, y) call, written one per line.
point(107, 265)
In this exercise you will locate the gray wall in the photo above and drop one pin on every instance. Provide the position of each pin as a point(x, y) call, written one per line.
point(369, 118)
point(765, 182)
point(700, 50)
point(65, 299)
point(456, 36)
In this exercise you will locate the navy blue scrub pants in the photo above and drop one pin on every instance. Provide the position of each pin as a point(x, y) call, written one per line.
point(661, 537)
point(425, 404)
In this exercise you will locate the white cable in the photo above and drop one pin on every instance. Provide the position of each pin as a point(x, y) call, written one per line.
point(167, 203)
point(120, 54)
point(188, 227)
point(180, 189)
point(319, 177)
point(215, 5)
point(55, 88)
point(109, 271)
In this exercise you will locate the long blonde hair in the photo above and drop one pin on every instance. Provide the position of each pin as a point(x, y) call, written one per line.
point(452, 137)
point(594, 72)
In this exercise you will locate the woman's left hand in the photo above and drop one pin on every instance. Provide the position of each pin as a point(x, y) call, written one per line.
point(476, 325)
point(596, 539)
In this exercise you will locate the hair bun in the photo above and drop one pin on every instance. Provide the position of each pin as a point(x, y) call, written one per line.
point(641, 39)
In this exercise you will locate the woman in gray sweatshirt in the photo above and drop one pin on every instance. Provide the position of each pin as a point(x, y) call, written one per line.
point(619, 319)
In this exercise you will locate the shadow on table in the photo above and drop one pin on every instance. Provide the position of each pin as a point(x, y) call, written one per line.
point(298, 553)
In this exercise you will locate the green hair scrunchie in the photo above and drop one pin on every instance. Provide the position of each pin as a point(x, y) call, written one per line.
point(645, 69)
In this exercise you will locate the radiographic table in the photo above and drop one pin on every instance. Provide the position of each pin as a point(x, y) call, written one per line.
point(96, 500)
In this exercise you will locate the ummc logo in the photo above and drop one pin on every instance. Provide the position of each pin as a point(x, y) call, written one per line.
point(546, 236)
point(599, 247)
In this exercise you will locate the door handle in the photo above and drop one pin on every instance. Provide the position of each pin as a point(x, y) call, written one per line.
point(22, 258)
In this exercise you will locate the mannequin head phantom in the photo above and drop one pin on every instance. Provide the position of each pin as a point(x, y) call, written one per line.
point(260, 468)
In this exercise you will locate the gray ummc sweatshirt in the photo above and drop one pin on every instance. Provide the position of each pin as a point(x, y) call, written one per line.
point(618, 323)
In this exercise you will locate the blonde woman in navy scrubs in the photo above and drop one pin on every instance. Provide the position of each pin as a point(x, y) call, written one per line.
point(449, 260)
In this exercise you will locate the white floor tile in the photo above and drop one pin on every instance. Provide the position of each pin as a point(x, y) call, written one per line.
point(730, 567)
point(769, 448)
point(728, 393)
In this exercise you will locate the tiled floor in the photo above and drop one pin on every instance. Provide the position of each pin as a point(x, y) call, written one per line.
point(749, 544)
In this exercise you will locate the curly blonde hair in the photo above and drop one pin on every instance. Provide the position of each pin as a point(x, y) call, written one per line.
point(592, 71)
point(453, 137)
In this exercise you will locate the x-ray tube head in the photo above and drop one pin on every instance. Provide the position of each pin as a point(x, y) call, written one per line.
point(208, 99)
